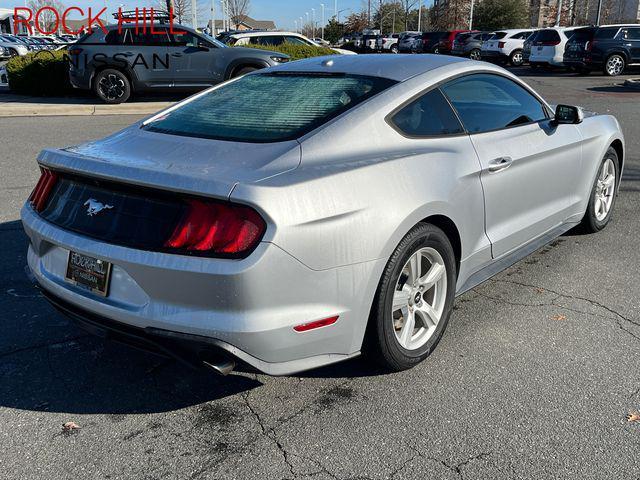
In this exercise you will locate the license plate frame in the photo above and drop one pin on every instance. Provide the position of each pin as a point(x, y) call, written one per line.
point(89, 273)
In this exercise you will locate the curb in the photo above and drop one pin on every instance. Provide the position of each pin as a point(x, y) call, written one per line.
point(11, 109)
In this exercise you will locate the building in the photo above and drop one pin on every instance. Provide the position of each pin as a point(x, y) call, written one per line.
point(7, 24)
point(584, 12)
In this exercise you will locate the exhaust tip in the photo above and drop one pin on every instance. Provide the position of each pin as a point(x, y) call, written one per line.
point(224, 367)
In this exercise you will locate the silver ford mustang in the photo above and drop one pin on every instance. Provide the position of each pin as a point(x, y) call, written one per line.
point(303, 214)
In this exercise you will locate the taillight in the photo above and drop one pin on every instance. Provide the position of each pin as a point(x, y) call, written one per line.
point(589, 46)
point(40, 194)
point(501, 44)
point(217, 228)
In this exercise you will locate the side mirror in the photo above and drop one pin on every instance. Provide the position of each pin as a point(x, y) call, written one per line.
point(568, 114)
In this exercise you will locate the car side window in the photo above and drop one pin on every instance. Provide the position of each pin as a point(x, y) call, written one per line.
point(114, 37)
point(430, 115)
point(632, 34)
point(488, 102)
point(187, 39)
point(158, 38)
point(295, 40)
point(274, 40)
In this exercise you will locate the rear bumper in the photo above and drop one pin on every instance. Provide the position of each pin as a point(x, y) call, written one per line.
point(493, 55)
point(247, 308)
point(546, 60)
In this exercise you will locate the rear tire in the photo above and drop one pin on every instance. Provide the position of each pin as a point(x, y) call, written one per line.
point(112, 86)
point(414, 299)
point(516, 59)
point(475, 54)
point(394, 49)
point(603, 193)
point(614, 65)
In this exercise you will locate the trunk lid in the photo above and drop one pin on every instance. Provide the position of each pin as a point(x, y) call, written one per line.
point(170, 162)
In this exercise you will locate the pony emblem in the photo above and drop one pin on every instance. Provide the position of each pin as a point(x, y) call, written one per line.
point(95, 207)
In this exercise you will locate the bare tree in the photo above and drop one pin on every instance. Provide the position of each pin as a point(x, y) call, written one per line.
point(47, 19)
point(238, 9)
point(407, 7)
point(181, 8)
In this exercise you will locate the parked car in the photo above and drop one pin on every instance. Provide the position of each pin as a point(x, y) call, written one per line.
point(430, 42)
point(526, 46)
point(274, 39)
point(4, 77)
point(390, 43)
point(613, 48)
point(506, 46)
point(409, 42)
point(445, 44)
point(14, 45)
point(322, 42)
point(548, 47)
point(469, 44)
point(261, 222)
point(128, 61)
point(576, 48)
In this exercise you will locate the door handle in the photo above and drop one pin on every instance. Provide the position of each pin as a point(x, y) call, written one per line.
point(127, 54)
point(176, 54)
point(499, 164)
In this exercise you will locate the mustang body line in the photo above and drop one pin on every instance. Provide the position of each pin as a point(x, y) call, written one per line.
point(300, 215)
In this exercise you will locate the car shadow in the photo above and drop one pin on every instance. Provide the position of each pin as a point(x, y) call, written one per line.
point(49, 364)
point(613, 89)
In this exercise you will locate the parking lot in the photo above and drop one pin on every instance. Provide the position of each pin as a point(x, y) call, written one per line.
point(534, 377)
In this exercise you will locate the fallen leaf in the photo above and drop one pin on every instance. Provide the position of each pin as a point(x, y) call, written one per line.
point(633, 417)
point(70, 426)
point(559, 317)
point(540, 290)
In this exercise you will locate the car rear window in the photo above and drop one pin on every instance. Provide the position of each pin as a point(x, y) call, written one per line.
point(269, 107)
point(461, 37)
point(605, 33)
point(583, 35)
point(498, 35)
point(548, 36)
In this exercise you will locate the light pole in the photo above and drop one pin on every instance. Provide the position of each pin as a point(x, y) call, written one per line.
point(471, 17)
point(599, 10)
point(335, 9)
point(313, 24)
point(295, 22)
point(213, 18)
point(559, 13)
point(322, 35)
point(420, 16)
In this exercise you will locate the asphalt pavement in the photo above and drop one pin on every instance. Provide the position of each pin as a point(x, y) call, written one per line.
point(533, 379)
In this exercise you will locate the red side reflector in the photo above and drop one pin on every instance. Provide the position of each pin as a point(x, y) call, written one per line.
point(40, 194)
point(317, 324)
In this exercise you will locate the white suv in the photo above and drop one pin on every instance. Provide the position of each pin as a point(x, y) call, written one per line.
point(275, 39)
point(548, 46)
point(505, 46)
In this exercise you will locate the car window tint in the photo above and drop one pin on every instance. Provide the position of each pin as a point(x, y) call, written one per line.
point(295, 40)
point(114, 37)
point(498, 35)
point(157, 38)
point(269, 107)
point(606, 33)
point(186, 39)
point(487, 102)
point(430, 115)
point(274, 40)
point(548, 36)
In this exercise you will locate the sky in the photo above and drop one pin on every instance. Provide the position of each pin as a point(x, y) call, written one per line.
point(283, 12)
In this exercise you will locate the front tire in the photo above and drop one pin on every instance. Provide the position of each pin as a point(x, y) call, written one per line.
point(112, 86)
point(603, 193)
point(13, 53)
point(475, 54)
point(243, 71)
point(414, 299)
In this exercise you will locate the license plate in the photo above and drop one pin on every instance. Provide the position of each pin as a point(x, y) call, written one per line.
point(88, 272)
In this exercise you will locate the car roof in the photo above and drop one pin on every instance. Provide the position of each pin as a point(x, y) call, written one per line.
point(393, 67)
point(264, 33)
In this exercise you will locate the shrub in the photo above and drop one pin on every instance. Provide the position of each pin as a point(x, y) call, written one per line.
point(294, 50)
point(40, 73)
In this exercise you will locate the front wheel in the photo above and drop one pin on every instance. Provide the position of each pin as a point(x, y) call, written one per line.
point(394, 49)
point(112, 86)
point(614, 65)
point(243, 71)
point(414, 299)
point(13, 53)
point(603, 193)
point(436, 50)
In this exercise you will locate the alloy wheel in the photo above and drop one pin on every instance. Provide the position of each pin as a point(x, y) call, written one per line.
point(419, 298)
point(474, 55)
point(615, 65)
point(112, 87)
point(517, 59)
point(605, 189)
